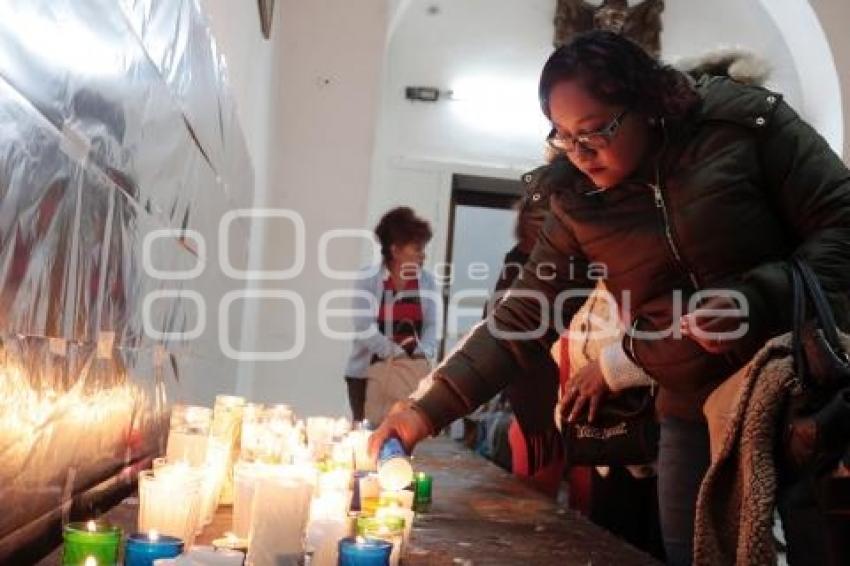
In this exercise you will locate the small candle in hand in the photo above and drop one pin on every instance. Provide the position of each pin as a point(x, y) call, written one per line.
point(394, 469)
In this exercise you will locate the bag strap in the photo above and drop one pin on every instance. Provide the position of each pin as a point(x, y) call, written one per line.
point(805, 287)
point(823, 310)
point(799, 319)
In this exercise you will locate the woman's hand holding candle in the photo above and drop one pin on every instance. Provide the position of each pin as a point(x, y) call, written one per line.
point(404, 422)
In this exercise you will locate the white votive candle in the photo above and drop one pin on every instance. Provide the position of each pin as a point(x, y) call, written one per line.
point(323, 538)
point(281, 509)
point(208, 556)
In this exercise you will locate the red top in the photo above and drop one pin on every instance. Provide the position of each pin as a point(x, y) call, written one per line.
point(400, 312)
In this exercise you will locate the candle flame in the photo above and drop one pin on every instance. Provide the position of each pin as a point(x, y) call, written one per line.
point(421, 475)
point(231, 537)
point(92, 527)
point(91, 561)
point(153, 534)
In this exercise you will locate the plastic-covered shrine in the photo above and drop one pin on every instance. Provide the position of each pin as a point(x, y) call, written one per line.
point(117, 132)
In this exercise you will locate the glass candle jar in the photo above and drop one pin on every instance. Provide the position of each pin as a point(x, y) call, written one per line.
point(394, 469)
point(188, 434)
point(143, 548)
point(390, 529)
point(91, 539)
point(422, 487)
point(360, 551)
point(227, 429)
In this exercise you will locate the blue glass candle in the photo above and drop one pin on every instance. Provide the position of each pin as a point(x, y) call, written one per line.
point(143, 549)
point(361, 551)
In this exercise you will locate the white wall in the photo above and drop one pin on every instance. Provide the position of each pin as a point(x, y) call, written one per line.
point(834, 17)
point(250, 61)
point(325, 102)
point(820, 98)
point(307, 100)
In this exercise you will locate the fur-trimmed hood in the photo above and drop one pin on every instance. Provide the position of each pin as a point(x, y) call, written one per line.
point(737, 63)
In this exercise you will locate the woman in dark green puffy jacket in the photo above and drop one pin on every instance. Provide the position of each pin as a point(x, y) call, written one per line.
point(688, 199)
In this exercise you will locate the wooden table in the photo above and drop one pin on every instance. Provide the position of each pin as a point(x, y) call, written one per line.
point(481, 515)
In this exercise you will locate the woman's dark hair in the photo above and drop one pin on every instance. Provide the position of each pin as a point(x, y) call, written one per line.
point(617, 71)
point(401, 226)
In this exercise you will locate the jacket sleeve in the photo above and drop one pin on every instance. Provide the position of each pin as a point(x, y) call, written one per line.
point(518, 333)
point(810, 187)
point(364, 307)
point(431, 309)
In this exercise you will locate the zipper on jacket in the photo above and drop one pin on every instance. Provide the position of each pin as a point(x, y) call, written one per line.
point(671, 242)
point(658, 194)
point(668, 231)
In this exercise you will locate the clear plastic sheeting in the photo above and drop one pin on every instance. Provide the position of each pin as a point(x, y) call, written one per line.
point(115, 123)
point(71, 418)
point(196, 74)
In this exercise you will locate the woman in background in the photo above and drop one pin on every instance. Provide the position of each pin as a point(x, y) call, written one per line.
point(400, 298)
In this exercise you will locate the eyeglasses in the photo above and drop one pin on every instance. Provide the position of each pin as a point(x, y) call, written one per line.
point(600, 139)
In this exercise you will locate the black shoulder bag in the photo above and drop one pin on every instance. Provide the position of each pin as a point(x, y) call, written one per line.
point(817, 419)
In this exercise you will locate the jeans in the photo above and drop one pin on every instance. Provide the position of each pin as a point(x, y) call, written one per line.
point(627, 507)
point(805, 524)
point(683, 458)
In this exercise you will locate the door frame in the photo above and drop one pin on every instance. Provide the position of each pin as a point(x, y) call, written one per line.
point(474, 190)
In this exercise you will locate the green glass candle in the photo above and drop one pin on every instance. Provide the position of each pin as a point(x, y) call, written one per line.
point(422, 486)
point(91, 543)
